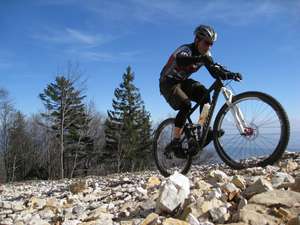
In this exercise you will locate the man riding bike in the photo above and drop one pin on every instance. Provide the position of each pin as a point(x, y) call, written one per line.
point(178, 89)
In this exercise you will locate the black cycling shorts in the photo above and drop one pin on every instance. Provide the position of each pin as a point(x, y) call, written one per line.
point(176, 92)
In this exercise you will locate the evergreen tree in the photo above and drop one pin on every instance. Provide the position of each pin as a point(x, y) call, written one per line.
point(145, 142)
point(127, 128)
point(66, 114)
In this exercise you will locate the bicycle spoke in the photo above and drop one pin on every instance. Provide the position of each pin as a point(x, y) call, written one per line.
point(237, 151)
point(261, 137)
point(270, 127)
point(267, 121)
point(264, 146)
point(167, 161)
point(267, 139)
point(236, 146)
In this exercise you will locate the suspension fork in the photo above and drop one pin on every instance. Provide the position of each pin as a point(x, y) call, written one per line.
point(235, 111)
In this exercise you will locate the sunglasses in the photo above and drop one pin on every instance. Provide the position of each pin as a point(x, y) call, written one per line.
point(208, 43)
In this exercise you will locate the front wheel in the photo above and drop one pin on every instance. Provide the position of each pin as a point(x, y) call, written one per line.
point(166, 162)
point(265, 138)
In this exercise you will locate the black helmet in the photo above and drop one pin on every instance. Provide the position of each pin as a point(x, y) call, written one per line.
point(204, 31)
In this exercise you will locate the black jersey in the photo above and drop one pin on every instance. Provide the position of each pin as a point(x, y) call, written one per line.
point(174, 70)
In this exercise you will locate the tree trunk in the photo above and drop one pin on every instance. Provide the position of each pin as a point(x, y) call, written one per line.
point(6, 166)
point(5, 143)
point(62, 151)
point(74, 165)
point(62, 139)
point(13, 169)
point(48, 156)
point(48, 161)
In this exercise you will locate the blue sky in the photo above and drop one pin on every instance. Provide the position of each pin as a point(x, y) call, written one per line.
point(260, 39)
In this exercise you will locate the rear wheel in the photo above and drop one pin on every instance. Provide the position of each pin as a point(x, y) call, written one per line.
point(166, 162)
point(265, 138)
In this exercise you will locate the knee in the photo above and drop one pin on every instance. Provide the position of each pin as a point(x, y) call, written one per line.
point(201, 93)
point(186, 105)
point(206, 99)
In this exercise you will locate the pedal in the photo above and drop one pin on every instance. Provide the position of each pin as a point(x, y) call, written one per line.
point(181, 153)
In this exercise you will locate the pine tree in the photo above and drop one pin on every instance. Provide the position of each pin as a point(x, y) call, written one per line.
point(127, 128)
point(145, 142)
point(66, 113)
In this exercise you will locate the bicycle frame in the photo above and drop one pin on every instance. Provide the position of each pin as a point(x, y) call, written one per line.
point(216, 88)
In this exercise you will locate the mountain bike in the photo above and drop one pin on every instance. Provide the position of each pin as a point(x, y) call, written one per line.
point(256, 132)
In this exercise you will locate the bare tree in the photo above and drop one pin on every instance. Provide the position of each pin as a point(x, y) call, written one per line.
point(6, 112)
point(43, 145)
point(21, 153)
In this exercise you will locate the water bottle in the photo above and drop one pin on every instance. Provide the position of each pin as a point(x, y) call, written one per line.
point(204, 114)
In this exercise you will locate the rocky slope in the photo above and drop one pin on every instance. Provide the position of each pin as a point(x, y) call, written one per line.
point(209, 194)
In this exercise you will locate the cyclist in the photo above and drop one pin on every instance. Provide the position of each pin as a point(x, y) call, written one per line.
point(178, 89)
